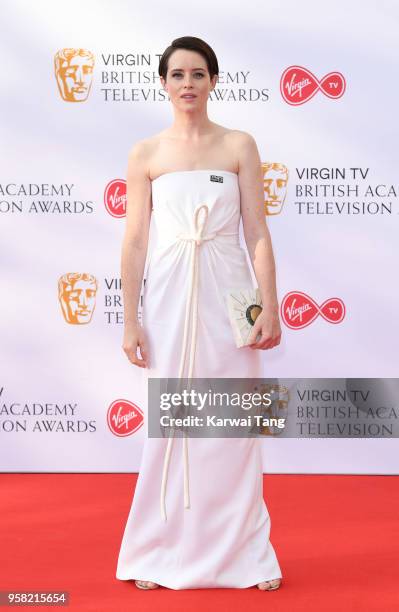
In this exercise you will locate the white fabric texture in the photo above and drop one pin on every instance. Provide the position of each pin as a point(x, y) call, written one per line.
point(198, 518)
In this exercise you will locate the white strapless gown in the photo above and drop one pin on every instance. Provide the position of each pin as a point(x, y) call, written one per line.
point(198, 518)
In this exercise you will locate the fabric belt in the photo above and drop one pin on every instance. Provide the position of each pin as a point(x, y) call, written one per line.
point(196, 238)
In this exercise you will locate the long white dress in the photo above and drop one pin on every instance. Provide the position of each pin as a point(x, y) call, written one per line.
point(198, 518)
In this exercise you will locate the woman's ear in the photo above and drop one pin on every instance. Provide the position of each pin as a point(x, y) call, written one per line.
point(214, 80)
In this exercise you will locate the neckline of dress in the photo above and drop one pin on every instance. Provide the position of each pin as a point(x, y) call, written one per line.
point(198, 170)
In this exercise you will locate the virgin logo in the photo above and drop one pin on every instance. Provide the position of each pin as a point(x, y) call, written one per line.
point(115, 198)
point(124, 418)
point(298, 85)
point(299, 310)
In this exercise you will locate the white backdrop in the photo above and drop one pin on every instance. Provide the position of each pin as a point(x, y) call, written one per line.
point(59, 156)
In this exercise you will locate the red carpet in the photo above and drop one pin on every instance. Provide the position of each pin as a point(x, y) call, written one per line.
point(336, 537)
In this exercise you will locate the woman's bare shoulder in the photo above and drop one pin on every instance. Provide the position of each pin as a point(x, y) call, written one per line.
point(145, 146)
point(239, 137)
point(240, 144)
point(142, 153)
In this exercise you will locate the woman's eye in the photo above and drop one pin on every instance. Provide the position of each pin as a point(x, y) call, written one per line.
point(177, 74)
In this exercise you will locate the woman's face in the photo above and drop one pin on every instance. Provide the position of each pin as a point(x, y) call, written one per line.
point(188, 74)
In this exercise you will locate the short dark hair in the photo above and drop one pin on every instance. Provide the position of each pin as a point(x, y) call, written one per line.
point(191, 43)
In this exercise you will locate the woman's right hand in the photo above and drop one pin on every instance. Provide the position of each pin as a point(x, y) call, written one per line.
point(134, 337)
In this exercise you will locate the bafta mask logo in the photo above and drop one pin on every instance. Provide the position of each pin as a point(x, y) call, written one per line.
point(277, 410)
point(115, 198)
point(77, 296)
point(73, 73)
point(275, 177)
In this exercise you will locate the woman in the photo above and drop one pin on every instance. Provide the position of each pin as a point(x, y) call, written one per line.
point(219, 537)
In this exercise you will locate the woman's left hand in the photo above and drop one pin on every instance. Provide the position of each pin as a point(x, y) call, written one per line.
point(268, 325)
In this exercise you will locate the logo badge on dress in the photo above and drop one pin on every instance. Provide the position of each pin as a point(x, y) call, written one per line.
point(216, 179)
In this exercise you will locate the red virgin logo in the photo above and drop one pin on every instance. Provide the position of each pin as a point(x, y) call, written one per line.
point(299, 310)
point(115, 198)
point(298, 85)
point(124, 418)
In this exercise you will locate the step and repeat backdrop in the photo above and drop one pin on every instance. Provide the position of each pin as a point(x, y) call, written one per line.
point(317, 88)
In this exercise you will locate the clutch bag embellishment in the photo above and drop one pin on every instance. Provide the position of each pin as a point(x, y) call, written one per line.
point(243, 307)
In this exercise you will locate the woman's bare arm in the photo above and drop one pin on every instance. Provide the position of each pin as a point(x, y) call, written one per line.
point(134, 250)
point(258, 240)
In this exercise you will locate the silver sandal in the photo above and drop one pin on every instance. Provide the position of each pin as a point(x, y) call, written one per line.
point(145, 587)
point(272, 586)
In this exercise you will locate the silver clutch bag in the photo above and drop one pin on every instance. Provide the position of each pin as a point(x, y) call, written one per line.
point(243, 307)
